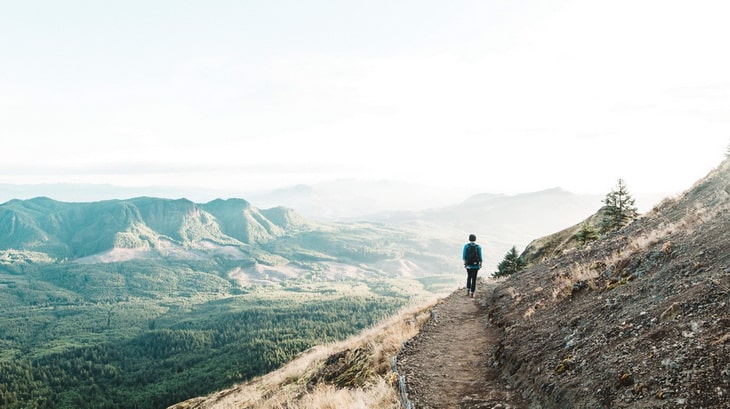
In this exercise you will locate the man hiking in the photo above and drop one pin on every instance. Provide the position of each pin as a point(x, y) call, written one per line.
point(472, 256)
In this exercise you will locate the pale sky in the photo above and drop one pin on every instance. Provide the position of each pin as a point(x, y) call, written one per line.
point(502, 96)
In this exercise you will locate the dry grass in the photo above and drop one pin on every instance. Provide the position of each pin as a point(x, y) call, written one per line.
point(291, 387)
point(378, 395)
point(578, 276)
point(581, 275)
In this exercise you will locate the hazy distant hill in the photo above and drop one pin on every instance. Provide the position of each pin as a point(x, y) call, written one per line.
point(357, 199)
point(502, 221)
point(349, 198)
point(499, 220)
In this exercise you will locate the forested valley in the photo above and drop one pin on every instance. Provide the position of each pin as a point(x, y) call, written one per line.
point(146, 335)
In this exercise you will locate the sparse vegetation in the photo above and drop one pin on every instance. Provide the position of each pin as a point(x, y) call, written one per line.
point(511, 264)
point(619, 208)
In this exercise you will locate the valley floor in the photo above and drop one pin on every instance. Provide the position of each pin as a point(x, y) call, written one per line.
point(445, 365)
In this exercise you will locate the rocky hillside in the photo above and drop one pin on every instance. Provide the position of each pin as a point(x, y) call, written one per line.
point(639, 319)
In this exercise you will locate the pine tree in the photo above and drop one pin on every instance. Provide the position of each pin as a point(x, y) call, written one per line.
point(511, 264)
point(619, 209)
point(586, 234)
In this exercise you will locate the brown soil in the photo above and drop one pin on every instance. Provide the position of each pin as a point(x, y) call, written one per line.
point(445, 365)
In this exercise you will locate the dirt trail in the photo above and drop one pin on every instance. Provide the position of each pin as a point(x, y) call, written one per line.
point(449, 363)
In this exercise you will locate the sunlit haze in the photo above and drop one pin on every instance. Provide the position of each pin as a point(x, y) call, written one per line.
point(499, 96)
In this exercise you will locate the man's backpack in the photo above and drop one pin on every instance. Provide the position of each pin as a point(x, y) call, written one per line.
point(472, 255)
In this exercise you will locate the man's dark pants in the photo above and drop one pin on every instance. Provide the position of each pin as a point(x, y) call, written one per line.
point(471, 279)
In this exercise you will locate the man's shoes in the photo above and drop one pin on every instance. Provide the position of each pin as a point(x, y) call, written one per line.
point(472, 294)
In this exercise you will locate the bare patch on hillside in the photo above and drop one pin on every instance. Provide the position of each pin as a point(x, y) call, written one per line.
point(117, 255)
point(262, 274)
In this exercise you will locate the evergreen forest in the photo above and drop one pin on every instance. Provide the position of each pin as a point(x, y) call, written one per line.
point(147, 335)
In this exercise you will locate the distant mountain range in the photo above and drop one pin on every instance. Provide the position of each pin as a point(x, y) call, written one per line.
point(340, 199)
point(148, 227)
point(357, 199)
point(345, 199)
point(65, 230)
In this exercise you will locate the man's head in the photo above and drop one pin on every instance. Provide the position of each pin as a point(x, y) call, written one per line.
point(472, 237)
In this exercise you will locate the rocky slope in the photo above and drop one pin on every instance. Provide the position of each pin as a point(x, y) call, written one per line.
point(640, 318)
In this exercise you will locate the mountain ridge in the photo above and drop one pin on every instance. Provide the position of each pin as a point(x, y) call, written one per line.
point(75, 230)
point(151, 225)
point(342, 199)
